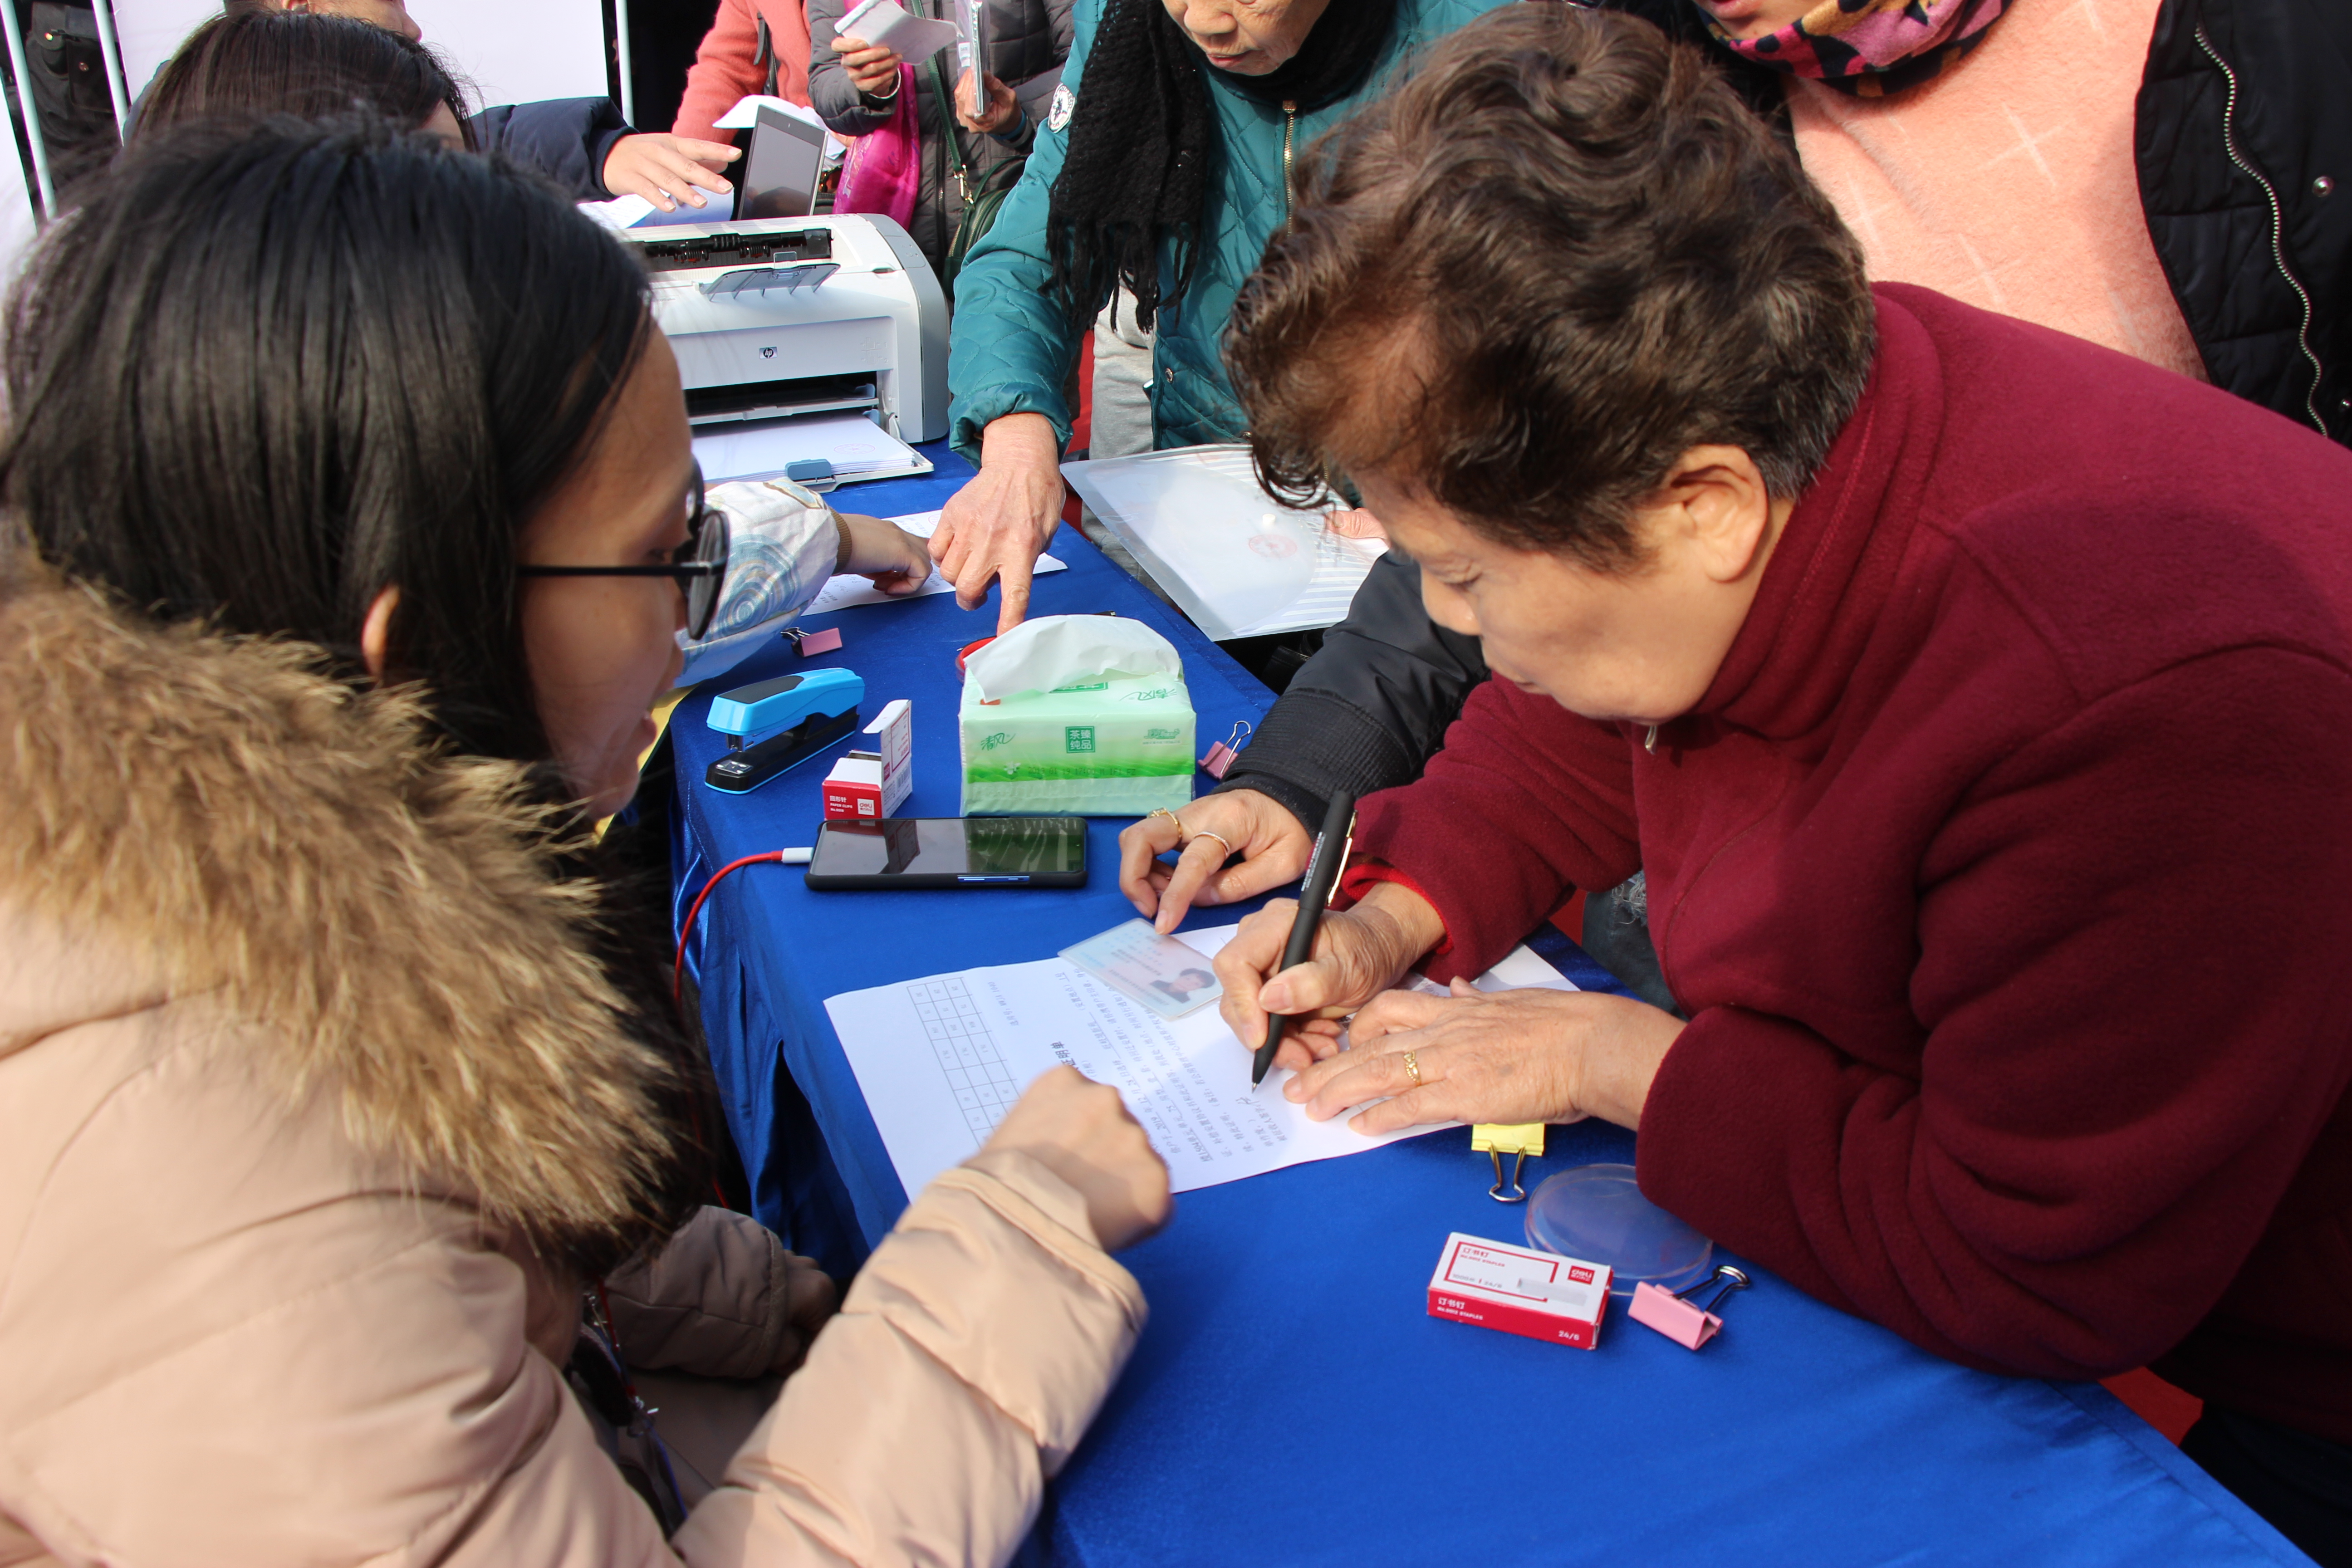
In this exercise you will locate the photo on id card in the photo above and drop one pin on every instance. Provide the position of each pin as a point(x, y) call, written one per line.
point(1164, 975)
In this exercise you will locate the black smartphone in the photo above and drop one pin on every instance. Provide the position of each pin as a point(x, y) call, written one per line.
point(951, 852)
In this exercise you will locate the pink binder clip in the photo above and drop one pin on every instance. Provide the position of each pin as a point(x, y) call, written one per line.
point(1221, 755)
point(811, 644)
point(1676, 1317)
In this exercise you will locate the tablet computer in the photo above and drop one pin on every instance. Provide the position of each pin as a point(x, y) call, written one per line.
point(779, 172)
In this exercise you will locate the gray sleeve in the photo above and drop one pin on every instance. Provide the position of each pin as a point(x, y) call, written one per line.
point(845, 110)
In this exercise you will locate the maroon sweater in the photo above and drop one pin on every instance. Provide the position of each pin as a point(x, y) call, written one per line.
point(2005, 872)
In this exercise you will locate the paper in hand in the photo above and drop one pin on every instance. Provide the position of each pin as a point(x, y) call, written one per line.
point(843, 592)
point(886, 23)
point(1164, 975)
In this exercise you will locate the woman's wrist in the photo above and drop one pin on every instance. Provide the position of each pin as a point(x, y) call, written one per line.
point(1019, 440)
point(1406, 924)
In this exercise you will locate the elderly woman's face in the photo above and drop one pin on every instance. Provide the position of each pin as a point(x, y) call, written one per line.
point(1642, 645)
point(1247, 38)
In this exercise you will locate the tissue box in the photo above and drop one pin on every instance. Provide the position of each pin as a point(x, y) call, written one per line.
point(1085, 715)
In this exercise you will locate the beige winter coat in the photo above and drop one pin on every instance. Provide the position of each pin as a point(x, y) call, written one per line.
point(298, 1048)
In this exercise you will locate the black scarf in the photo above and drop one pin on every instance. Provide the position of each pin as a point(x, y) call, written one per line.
point(1143, 144)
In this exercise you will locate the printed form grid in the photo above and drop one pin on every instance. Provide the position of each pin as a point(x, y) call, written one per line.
point(975, 1072)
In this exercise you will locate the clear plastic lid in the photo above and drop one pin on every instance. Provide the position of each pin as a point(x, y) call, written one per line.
point(1596, 1213)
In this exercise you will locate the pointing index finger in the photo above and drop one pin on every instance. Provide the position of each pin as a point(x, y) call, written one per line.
point(1199, 862)
point(1012, 576)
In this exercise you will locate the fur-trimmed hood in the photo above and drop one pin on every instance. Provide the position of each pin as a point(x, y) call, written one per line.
point(393, 920)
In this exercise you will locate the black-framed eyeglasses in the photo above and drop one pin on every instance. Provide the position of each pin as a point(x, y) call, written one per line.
point(700, 568)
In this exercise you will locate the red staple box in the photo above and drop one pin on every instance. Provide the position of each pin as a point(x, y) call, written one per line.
point(1519, 1291)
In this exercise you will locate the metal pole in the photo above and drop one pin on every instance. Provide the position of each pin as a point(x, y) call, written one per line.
point(628, 85)
point(17, 63)
point(117, 86)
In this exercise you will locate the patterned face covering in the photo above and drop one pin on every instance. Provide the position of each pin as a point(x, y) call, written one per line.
point(1871, 47)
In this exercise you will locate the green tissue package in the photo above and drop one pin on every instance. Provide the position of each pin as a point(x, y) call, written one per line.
point(1080, 714)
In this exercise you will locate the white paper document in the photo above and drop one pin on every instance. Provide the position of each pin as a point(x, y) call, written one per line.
point(746, 114)
point(885, 22)
point(842, 593)
point(857, 447)
point(621, 212)
point(1237, 562)
point(941, 1059)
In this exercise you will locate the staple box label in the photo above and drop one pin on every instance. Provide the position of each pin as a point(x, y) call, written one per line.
point(1519, 1291)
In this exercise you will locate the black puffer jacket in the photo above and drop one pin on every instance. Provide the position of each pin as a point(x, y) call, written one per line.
point(2244, 146)
point(2245, 151)
point(566, 139)
point(1029, 39)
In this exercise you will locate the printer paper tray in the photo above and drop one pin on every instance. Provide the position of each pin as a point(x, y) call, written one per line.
point(708, 405)
point(857, 448)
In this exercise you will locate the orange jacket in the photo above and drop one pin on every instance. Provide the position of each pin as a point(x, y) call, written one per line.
point(730, 64)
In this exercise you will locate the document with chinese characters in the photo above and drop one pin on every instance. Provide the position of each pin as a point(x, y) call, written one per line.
point(941, 1059)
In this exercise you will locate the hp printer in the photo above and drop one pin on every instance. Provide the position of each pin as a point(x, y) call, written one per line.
point(802, 315)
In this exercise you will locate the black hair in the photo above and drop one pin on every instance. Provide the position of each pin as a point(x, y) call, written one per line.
point(255, 61)
point(1677, 280)
point(264, 370)
point(1143, 142)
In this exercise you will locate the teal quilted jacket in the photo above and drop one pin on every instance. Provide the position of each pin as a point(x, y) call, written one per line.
point(1012, 350)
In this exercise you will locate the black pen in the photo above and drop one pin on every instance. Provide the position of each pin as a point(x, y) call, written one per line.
point(1331, 848)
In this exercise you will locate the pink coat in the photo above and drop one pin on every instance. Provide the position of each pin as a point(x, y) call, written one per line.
point(726, 67)
point(300, 1047)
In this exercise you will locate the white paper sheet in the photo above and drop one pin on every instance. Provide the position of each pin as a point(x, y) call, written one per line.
point(746, 114)
point(941, 1059)
point(621, 212)
point(885, 22)
point(842, 593)
point(1234, 559)
point(762, 448)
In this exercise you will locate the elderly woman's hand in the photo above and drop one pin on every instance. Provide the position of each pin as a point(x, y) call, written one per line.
point(1359, 953)
point(1273, 844)
point(1501, 1056)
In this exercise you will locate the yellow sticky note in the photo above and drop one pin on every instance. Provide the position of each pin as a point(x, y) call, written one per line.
point(1489, 1137)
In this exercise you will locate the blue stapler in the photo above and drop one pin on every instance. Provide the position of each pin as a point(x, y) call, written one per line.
point(811, 712)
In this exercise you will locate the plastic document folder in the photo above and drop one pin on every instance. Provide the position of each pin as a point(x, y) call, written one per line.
point(849, 446)
point(1235, 559)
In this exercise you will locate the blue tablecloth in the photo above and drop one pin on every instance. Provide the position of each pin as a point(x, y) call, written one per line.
point(1291, 1403)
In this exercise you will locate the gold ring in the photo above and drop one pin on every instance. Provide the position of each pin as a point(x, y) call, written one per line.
point(1412, 1069)
point(1221, 839)
point(1164, 811)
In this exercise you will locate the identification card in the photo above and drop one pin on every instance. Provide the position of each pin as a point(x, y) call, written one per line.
point(1166, 976)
